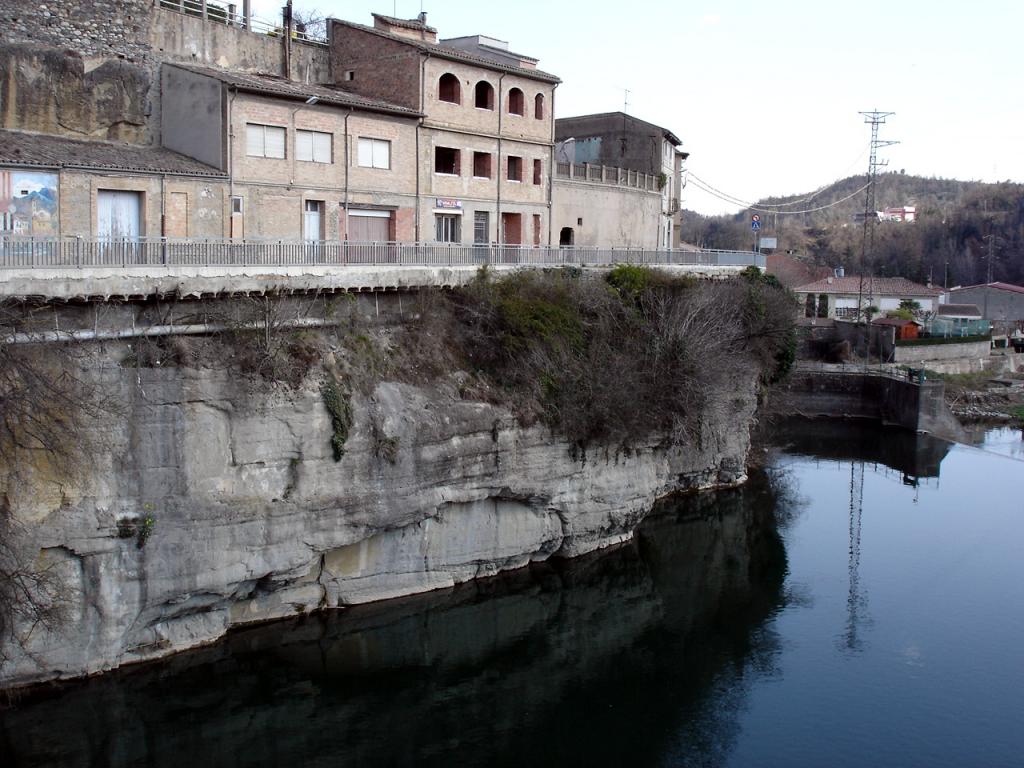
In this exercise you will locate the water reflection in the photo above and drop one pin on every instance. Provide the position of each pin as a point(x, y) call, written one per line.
point(1006, 441)
point(613, 659)
point(915, 456)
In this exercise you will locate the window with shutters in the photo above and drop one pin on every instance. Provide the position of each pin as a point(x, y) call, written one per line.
point(264, 140)
point(482, 165)
point(516, 102)
point(374, 153)
point(313, 146)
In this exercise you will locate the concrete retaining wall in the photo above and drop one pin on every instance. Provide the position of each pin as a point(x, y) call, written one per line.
point(919, 353)
point(902, 403)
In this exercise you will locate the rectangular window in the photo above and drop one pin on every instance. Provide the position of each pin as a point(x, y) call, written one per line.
point(448, 228)
point(515, 168)
point(236, 204)
point(446, 160)
point(482, 165)
point(264, 140)
point(374, 153)
point(481, 227)
point(536, 229)
point(538, 171)
point(313, 146)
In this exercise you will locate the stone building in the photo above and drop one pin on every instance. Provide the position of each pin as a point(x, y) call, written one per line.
point(483, 171)
point(618, 140)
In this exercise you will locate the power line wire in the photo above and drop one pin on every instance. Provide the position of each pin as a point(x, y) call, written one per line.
point(758, 209)
point(708, 187)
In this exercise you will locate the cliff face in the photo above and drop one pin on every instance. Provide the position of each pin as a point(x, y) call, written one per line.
point(210, 505)
point(693, 590)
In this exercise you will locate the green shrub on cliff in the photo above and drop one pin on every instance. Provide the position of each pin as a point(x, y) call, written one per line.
point(635, 353)
point(338, 401)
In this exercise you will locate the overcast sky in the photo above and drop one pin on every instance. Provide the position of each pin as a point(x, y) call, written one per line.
point(765, 96)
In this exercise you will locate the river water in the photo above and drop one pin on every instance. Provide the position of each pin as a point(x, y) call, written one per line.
point(860, 602)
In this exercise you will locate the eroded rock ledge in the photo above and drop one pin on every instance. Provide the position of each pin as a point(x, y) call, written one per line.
point(209, 507)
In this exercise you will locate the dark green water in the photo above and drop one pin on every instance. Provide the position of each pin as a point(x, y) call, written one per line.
point(859, 603)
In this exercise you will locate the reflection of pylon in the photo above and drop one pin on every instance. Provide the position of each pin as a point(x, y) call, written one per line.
point(867, 248)
point(855, 600)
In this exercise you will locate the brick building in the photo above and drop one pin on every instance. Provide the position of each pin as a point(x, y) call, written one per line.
point(385, 133)
point(308, 161)
point(485, 139)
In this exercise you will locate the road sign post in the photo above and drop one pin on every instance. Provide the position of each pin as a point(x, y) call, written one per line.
point(755, 227)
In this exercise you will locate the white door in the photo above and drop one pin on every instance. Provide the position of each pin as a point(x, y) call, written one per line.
point(118, 214)
point(312, 220)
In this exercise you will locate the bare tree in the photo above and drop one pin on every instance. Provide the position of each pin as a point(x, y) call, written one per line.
point(47, 405)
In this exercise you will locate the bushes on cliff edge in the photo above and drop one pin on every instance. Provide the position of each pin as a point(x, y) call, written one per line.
point(607, 359)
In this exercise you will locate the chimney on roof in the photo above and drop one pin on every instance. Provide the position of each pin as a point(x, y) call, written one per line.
point(422, 18)
point(839, 272)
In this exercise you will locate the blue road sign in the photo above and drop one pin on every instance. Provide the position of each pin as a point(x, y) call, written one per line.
point(755, 222)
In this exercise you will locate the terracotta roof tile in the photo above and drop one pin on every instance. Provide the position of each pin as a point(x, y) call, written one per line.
point(878, 286)
point(18, 148)
point(280, 86)
point(999, 286)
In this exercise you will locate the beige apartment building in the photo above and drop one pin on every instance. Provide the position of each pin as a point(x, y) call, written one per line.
point(483, 170)
point(410, 139)
point(303, 161)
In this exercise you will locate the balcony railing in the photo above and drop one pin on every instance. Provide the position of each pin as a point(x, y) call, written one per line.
point(227, 14)
point(605, 174)
point(70, 254)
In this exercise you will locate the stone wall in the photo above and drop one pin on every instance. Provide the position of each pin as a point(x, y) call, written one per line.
point(90, 28)
point(250, 518)
point(176, 36)
point(612, 215)
point(90, 68)
point(58, 91)
point(890, 400)
point(923, 353)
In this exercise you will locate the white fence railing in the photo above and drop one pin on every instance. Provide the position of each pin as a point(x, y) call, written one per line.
point(72, 253)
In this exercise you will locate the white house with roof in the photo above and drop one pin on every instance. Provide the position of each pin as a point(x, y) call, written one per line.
point(839, 297)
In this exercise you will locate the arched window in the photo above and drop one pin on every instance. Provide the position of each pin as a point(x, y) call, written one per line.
point(483, 97)
point(538, 106)
point(516, 102)
point(448, 89)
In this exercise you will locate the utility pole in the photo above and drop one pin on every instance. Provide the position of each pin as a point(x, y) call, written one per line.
point(874, 119)
point(991, 243)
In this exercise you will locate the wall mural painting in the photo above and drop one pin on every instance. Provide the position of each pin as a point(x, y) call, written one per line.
point(28, 203)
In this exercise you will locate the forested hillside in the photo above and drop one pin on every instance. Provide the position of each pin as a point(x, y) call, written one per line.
point(959, 224)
